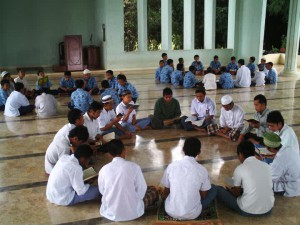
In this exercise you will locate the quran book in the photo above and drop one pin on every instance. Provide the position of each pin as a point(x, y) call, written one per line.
point(108, 137)
point(262, 150)
point(42, 80)
point(89, 174)
point(252, 121)
point(135, 106)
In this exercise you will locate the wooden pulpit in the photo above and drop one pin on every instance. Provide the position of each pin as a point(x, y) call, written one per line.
point(73, 52)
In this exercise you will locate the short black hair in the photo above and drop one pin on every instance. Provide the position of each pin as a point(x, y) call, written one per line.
point(252, 58)
point(110, 72)
point(223, 69)
point(73, 115)
point(19, 86)
point(105, 84)
point(179, 66)
point(192, 68)
point(79, 83)
point(39, 71)
point(232, 58)
point(241, 61)
point(83, 151)
point(246, 148)
point(126, 92)
point(164, 54)
point(216, 57)
point(180, 59)
point(261, 99)
point(192, 147)
point(209, 70)
point(115, 147)
point(169, 61)
point(68, 73)
point(95, 106)
point(270, 63)
point(4, 82)
point(167, 91)
point(275, 117)
point(201, 90)
point(81, 132)
point(122, 77)
point(161, 61)
point(196, 56)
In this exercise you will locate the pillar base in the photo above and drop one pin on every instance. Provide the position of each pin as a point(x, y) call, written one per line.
point(289, 73)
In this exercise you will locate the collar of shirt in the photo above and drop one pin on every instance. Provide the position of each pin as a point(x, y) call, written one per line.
point(263, 112)
point(118, 159)
point(74, 159)
point(86, 115)
point(190, 158)
point(249, 159)
point(204, 101)
point(279, 132)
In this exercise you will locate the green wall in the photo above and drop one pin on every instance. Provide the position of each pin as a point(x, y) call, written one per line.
point(32, 29)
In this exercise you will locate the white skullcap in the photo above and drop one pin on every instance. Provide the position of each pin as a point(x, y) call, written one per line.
point(226, 99)
point(106, 99)
point(4, 73)
point(86, 71)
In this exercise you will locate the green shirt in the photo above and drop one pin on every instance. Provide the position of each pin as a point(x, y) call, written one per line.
point(164, 110)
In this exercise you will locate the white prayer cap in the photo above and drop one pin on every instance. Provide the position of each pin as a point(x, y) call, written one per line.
point(106, 99)
point(4, 73)
point(226, 99)
point(86, 71)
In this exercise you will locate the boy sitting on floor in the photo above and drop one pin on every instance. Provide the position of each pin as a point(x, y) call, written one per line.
point(165, 75)
point(65, 184)
point(67, 83)
point(187, 184)
point(158, 71)
point(4, 93)
point(124, 85)
point(43, 84)
point(198, 65)
point(177, 76)
point(46, 105)
point(90, 83)
point(125, 194)
point(107, 90)
point(166, 111)
point(129, 119)
point(190, 80)
point(112, 80)
point(21, 79)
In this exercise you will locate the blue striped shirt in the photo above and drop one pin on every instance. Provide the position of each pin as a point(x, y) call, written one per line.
point(232, 66)
point(251, 67)
point(113, 83)
point(226, 81)
point(113, 93)
point(157, 73)
point(81, 99)
point(130, 87)
point(272, 76)
point(189, 80)
point(176, 77)
point(67, 83)
point(165, 75)
point(3, 96)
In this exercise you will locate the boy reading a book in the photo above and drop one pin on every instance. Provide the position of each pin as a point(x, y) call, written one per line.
point(187, 185)
point(129, 119)
point(65, 184)
point(166, 111)
point(43, 84)
point(125, 194)
point(60, 147)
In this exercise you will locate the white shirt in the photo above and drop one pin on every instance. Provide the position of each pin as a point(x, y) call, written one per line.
point(184, 201)
point(14, 101)
point(121, 108)
point(91, 125)
point(66, 179)
point(288, 138)
point(23, 81)
point(255, 177)
point(105, 117)
point(209, 81)
point(259, 78)
point(123, 188)
point(55, 151)
point(46, 105)
point(243, 76)
point(233, 118)
point(63, 133)
point(286, 172)
point(203, 109)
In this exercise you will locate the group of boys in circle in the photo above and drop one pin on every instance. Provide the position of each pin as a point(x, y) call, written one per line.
point(121, 185)
point(245, 76)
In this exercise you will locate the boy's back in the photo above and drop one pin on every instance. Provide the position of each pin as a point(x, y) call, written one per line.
point(81, 99)
point(177, 78)
point(123, 188)
point(185, 178)
point(46, 105)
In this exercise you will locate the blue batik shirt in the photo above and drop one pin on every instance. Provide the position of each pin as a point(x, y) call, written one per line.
point(251, 67)
point(199, 67)
point(67, 83)
point(81, 99)
point(113, 93)
point(189, 80)
point(226, 81)
point(3, 96)
point(130, 87)
point(91, 83)
point(176, 77)
point(157, 73)
point(272, 76)
point(165, 75)
point(113, 83)
point(232, 66)
point(215, 65)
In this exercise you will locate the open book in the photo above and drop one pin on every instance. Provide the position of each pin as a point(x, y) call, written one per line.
point(194, 120)
point(262, 150)
point(252, 121)
point(89, 174)
point(135, 106)
point(108, 137)
point(42, 80)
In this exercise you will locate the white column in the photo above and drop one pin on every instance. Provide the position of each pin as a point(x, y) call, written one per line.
point(231, 23)
point(293, 33)
point(166, 24)
point(209, 24)
point(142, 25)
point(189, 24)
